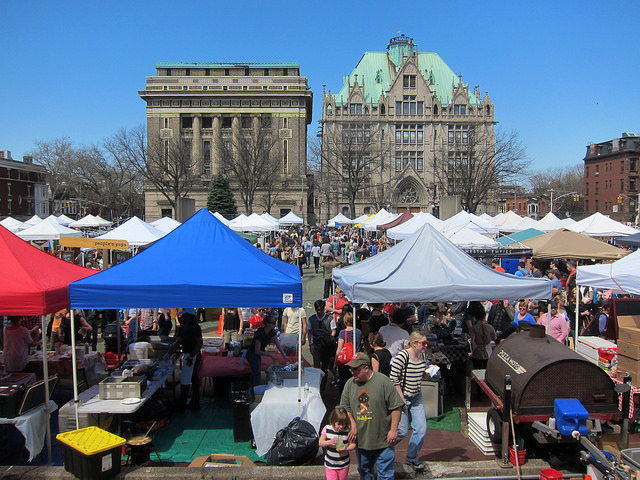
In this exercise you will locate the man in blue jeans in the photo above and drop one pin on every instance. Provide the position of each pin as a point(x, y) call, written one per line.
point(374, 408)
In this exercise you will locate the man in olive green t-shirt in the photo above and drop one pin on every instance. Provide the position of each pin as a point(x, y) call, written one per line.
point(374, 408)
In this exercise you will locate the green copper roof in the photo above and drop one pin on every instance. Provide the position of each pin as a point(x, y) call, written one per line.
point(226, 65)
point(375, 69)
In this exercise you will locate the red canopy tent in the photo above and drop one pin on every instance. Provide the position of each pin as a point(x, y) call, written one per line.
point(406, 216)
point(33, 282)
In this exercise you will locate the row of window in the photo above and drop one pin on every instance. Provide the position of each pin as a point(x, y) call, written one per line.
point(199, 72)
point(246, 121)
point(409, 133)
point(228, 103)
point(608, 167)
point(409, 106)
point(403, 159)
point(608, 185)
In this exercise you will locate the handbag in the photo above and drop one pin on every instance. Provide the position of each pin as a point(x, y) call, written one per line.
point(346, 353)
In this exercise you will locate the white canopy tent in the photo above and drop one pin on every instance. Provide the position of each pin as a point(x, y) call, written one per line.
point(166, 224)
point(379, 218)
point(361, 218)
point(134, 231)
point(102, 222)
point(341, 219)
point(64, 220)
point(599, 225)
point(524, 224)
point(13, 225)
point(486, 217)
point(623, 274)
point(88, 221)
point(475, 223)
point(408, 228)
point(33, 220)
point(47, 229)
point(271, 219)
point(290, 219)
point(242, 223)
point(222, 218)
point(427, 267)
point(503, 219)
point(463, 237)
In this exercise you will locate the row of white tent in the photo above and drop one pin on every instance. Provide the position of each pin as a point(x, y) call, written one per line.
point(135, 231)
point(596, 225)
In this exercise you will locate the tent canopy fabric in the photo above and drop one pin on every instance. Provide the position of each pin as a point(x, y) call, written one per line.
point(88, 221)
point(523, 224)
point(475, 223)
point(270, 219)
point(33, 220)
point(165, 224)
point(567, 244)
point(408, 228)
point(405, 217)
point(290, 219)
point(463, 237)
point(631, 240)
point(518, 237)
point(64, 220)
point(242, 223)
point(202, 263)
point(599, 225)
point(134, 231)
point(33, 282)
point(426, 267)
point(47, 229)
point(13, 225)
point(341, 219)
point(503, 219)
point(621, 275)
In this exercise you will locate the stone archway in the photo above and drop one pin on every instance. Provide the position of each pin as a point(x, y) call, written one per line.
point(409, 194)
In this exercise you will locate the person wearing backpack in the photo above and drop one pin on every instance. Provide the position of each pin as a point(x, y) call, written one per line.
point(349, 335)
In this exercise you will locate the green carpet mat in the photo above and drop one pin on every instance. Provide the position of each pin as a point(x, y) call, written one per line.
point(193, 434)
point(449, 420)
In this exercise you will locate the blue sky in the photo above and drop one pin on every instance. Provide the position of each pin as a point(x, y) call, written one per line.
point(561, 74)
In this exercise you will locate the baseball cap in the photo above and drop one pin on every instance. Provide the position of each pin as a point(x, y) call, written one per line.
point(360, 359)
point(554, 304)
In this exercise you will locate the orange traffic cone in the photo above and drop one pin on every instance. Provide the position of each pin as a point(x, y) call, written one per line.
point(219, 332)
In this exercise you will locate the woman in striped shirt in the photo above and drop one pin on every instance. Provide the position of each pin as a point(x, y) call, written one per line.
point(407, 371)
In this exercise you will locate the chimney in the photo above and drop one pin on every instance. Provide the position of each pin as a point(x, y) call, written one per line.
point(27, 159)
point(5, 155)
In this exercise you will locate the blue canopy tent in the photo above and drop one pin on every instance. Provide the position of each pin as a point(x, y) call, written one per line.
point(202, 263)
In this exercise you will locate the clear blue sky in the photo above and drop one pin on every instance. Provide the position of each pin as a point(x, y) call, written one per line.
point(562, 74)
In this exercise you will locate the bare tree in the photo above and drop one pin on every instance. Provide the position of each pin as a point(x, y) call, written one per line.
point(251, 161)
point(164, 163)
point(57, 157)
point(562, 181)
point(473, 165)
point(351, 157)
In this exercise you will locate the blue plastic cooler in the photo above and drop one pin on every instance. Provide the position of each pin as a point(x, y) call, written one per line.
point(570, 415)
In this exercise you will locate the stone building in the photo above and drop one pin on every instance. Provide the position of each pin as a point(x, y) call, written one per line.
point(245, 120)
point(611, 178)
point(395, 132)
point(23, 188)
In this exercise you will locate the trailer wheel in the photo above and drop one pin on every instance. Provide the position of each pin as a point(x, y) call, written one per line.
point(494, 425)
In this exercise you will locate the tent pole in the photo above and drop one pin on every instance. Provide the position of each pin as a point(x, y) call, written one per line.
point(45, 372)
point(74, 364)
point(299, 361)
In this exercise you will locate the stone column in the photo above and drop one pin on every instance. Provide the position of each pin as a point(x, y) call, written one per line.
point(236, 130)
point(196, 146)
point(216, 147)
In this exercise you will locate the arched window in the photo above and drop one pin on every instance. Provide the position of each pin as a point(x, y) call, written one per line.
point(382, 109)
point(435, 109)
point(488, 109)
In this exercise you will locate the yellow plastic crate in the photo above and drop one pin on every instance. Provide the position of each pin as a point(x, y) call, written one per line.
point(91, 440)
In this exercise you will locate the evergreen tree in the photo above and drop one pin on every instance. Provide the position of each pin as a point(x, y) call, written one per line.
point(221, 199)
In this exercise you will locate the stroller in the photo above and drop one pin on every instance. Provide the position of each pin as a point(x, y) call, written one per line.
point(112, 357)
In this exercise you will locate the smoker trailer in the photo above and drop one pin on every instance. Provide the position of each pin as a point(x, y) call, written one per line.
point(527, 372)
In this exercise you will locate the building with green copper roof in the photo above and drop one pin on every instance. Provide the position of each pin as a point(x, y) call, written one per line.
point(399, 133)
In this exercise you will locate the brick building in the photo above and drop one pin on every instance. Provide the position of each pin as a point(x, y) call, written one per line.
point(217, 112)
point(611, 178)
point(23, 188)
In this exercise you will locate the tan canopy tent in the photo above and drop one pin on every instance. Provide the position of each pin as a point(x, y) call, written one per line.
point(567, 244)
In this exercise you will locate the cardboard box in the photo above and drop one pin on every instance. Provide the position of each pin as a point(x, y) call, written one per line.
point(631, 365)
point(630, 350)
point(629, 328)
point(222, 460)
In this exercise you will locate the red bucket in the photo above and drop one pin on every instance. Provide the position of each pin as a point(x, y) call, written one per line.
point(521, 456)
point(550, 474)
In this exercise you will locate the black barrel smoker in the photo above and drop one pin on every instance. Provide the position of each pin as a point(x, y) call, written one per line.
point(527, 372)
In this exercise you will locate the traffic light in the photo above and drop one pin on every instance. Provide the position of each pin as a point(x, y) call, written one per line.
point(69, 203)
point(620, 198)
point(576, 197)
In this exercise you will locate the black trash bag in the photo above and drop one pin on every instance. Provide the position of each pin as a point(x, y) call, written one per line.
point(296, 444)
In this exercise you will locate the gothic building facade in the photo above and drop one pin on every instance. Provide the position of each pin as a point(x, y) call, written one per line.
point(247, 121)
point(395, 132)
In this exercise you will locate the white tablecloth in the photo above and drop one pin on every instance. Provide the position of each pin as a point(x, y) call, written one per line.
point(280, 405)
point(33, 427)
